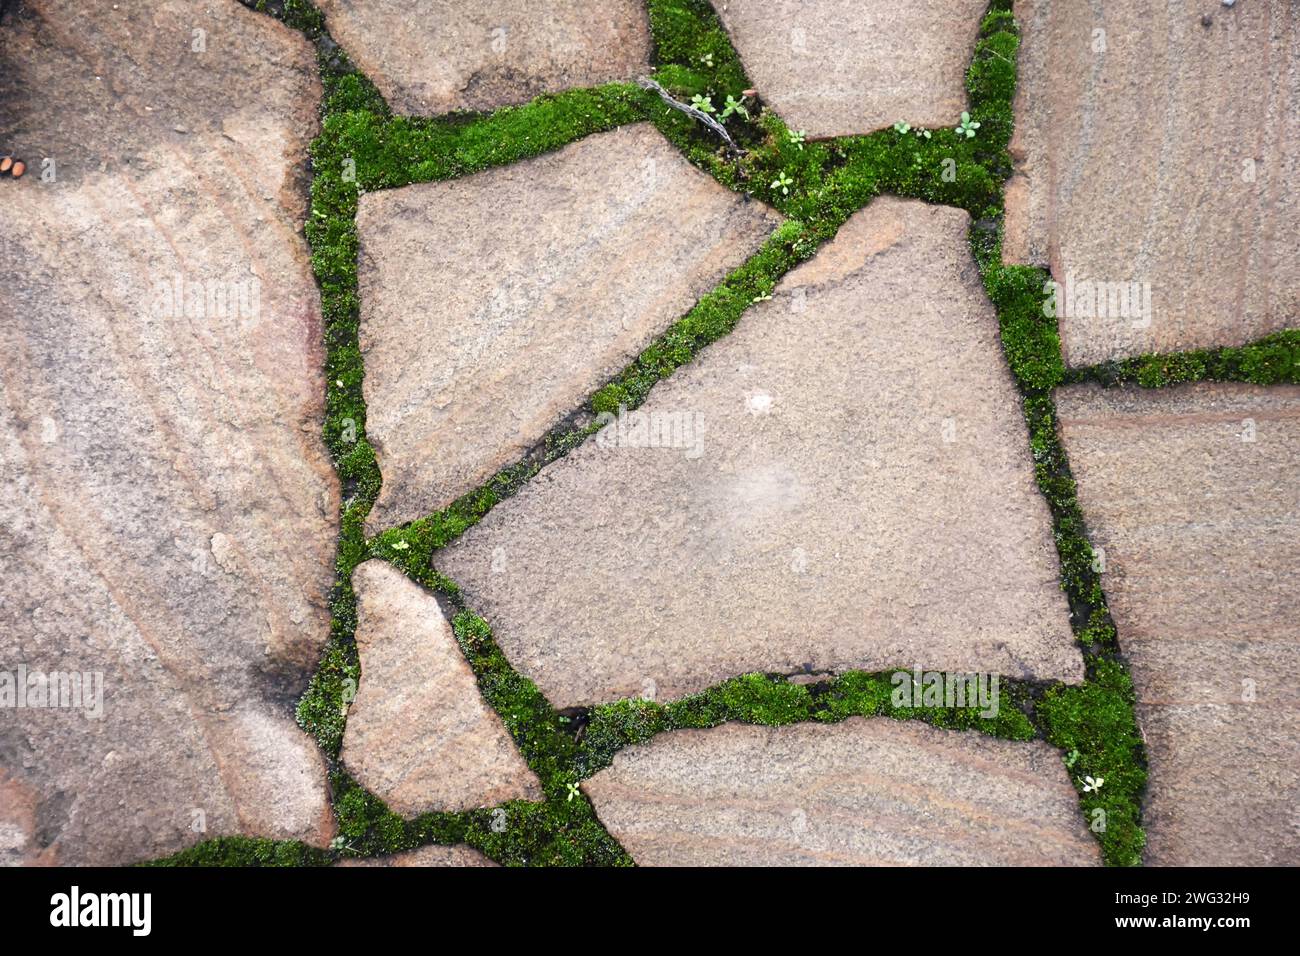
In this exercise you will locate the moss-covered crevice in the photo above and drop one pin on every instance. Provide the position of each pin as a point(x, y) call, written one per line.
point(1272, 360)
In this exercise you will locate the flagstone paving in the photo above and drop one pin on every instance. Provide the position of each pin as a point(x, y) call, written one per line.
point(419, 735)
point(493, 305)
point(844, 482)
point(861, 793)
point(1191, 492)
point(478, 55)
point(167, 516)
point(1153, 148)
point(843, 492)
point(839, 67)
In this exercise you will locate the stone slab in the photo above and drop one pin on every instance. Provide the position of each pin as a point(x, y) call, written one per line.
point(492, 306)
point(861, 793)
point(1153, 149)
point(436, 56)
point(419, 735)
point(1201, 535)
point(842, 482)
point(842, 67)
point(167, 518)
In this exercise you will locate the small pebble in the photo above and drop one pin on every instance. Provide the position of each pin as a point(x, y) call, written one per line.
point(19, 169)
point(5, 164)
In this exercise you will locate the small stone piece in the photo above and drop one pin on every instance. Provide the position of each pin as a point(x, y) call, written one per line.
point(840, 67)
point(419, 735)
point(874, 792)
point(436, 56)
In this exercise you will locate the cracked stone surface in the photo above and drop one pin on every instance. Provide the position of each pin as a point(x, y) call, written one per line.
point(493, 305)
point(167, 515)
point(827, 488)
point(1201, 533)
point(480, 54)
point(419, 735)
point(840, 67)
point(1170, 158)
point(859, 793)
point(426, 856)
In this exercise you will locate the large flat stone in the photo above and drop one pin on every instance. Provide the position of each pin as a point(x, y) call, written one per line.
point(817, 514)
point(839, 67)
point(419, 735)
point(1201, 534)
point(167, 507)
point(435, 56)
point(860, 793)
point(493, 306)
point(1171, 158)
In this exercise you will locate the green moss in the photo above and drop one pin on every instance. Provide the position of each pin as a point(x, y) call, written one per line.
point(773, 701)
point(246, 851)
point(1272, 360)
point(1095, 727)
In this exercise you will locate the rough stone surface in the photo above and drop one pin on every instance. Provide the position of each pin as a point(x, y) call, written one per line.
point(839, 67)
point(419, 734)
point(166, 505)
point(1201, 534)
point(435, 56)
point(426, 856)
point(1171, 158)
point(813, 516)
point(492, 306)
point(860, 793)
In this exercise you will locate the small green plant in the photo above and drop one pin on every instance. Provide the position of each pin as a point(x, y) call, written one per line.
point(901, 128)
point(734, 105)
point(782, 183)
point(967, 126)
point(923, 134)
point(707, 59)
point(798, 138)
point(703, 103)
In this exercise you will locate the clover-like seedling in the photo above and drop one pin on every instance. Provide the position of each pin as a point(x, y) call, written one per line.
point(707, 59)
point(797, 138)
point(967, 126)
point(573, 791)
point(702, 103)
point(782, 183)
point(901, 128)
point(734, 105)
point(1092, 784)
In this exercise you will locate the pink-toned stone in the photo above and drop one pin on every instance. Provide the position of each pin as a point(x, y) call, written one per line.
point(435, 56)
point(492, 306)
point(419, 735)
point(851, 487)
point(426, 856)
point(1200, 529)
point(1153, 149)
point(860, 793)
point(839, 67)
point(166, 504)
